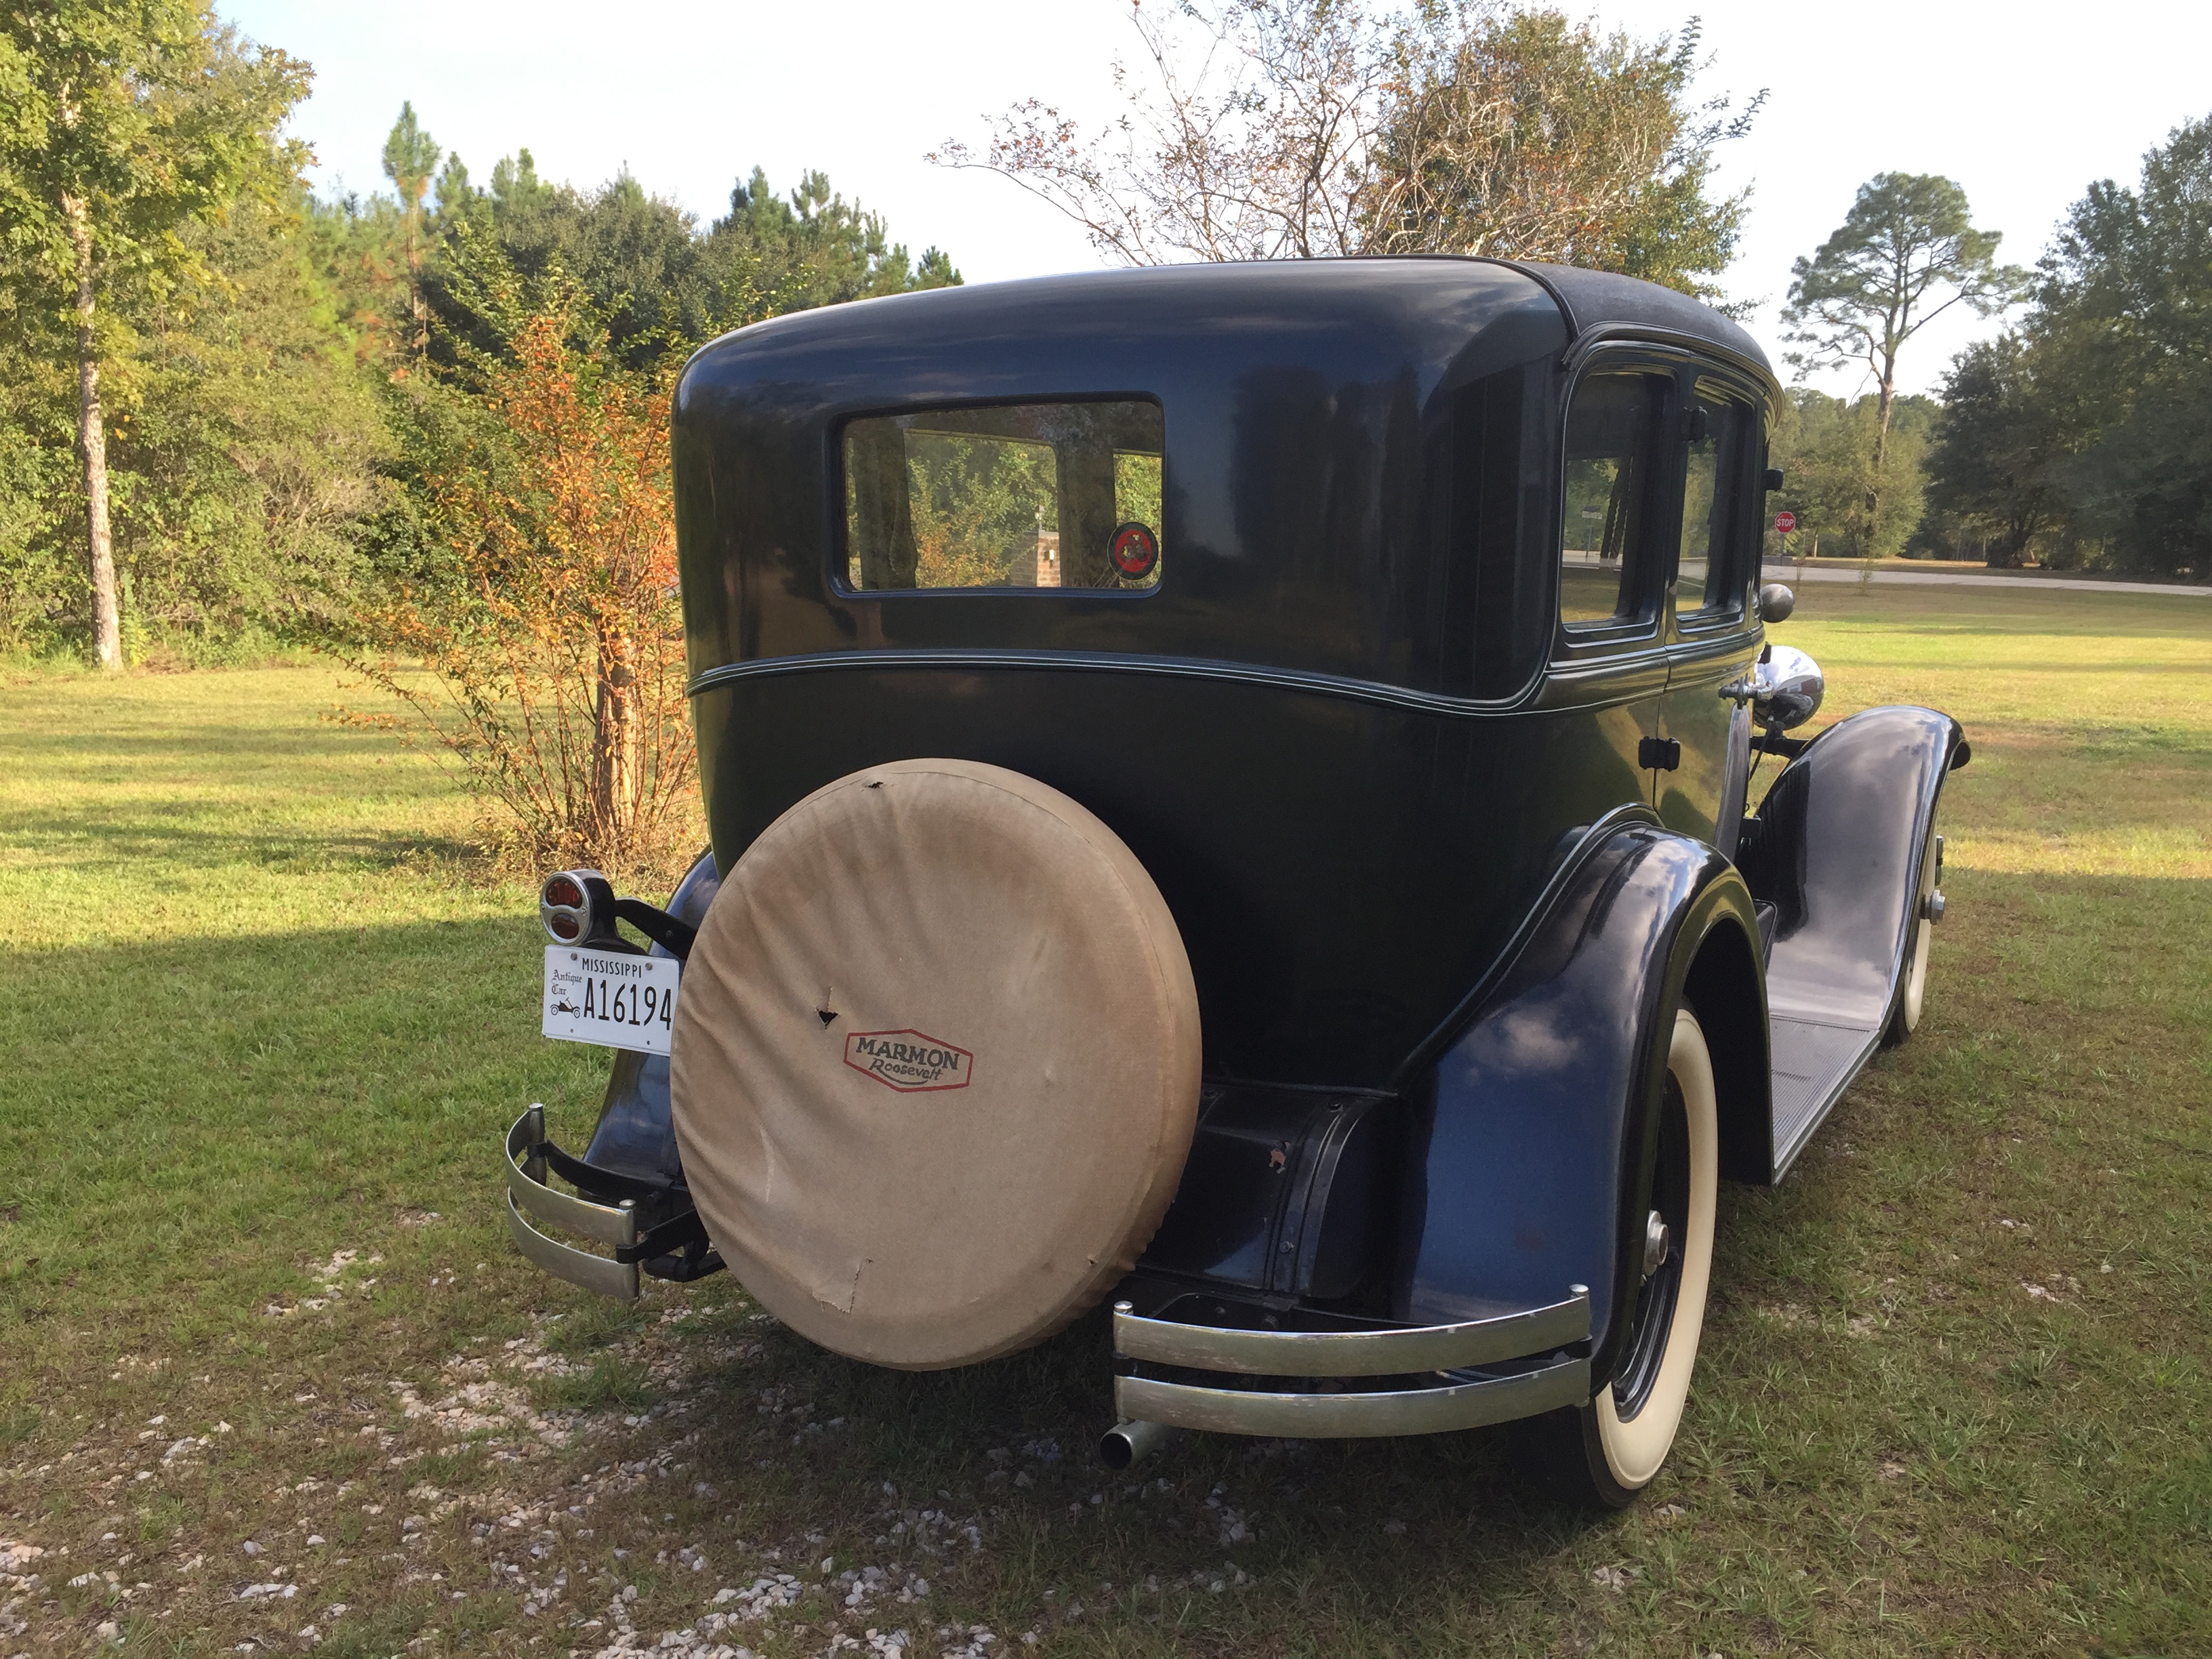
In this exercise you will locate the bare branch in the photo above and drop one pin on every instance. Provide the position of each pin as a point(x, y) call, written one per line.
point(1274, 129)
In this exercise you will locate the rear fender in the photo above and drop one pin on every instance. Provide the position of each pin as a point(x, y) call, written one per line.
point(636, 1133)
point(1533, 1135)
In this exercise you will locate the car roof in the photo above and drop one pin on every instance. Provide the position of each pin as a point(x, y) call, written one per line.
point(1396, 295)
point(1593, 302)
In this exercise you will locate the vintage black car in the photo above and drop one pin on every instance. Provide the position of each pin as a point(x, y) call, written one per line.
point(1228, 794)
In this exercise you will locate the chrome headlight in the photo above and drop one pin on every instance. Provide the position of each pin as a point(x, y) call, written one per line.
point(1788, 688)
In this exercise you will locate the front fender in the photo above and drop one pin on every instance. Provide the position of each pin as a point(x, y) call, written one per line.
point(1836, 850)
point(1837, 854)
point(1534, 1134)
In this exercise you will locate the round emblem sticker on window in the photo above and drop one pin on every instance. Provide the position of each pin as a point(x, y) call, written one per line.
point(1134, 550)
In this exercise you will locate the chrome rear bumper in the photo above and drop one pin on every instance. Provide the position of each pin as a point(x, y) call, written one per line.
point(609, 1225)
point(1484, 1370)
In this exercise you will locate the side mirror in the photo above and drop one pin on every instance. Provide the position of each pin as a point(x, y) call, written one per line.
point(1776, 602)
point(1773, 478)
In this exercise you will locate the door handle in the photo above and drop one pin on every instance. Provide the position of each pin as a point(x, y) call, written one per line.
point(1659, 754)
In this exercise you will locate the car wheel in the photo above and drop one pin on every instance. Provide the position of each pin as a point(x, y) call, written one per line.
point(1601, 1455)
point(1912, 981)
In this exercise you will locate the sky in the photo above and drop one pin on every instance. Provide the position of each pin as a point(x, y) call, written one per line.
point(2023, 104)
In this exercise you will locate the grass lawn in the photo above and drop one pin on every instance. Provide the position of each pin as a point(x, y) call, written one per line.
point(270, 1374)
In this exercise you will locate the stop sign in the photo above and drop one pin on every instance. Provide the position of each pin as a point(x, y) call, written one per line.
point(1785, 522)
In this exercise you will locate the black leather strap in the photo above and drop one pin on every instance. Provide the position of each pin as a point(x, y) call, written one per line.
point(605, 1186)
point(677, 1233)
point(658, 926)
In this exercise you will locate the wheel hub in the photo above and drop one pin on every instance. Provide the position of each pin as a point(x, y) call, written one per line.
point(1657, 1241)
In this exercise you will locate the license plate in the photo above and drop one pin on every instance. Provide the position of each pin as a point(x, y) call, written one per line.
point(611, 998)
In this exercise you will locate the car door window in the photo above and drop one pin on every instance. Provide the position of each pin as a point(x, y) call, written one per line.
point(1710, 576)
point(1605, 554)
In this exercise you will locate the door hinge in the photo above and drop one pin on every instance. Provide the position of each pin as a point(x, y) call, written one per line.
point(1659, 754)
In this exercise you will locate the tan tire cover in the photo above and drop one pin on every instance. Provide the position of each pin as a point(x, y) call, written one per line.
point(935, 1063)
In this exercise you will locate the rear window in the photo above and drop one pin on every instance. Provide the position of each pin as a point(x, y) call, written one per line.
point(1040, 496)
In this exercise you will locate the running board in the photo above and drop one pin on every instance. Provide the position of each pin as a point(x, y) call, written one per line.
point(1814, 1061)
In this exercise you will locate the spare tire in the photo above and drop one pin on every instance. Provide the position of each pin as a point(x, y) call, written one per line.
point(935, 1063)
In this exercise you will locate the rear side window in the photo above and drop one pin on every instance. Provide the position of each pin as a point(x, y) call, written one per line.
point(1604, 548)
point(1042, 497)
point(1710, 578)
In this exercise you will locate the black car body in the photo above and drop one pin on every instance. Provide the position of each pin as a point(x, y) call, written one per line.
point(1433, 719)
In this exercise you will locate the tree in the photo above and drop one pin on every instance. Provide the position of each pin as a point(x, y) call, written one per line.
point(1826, 448)
point(514, 185)
point(410, 157)
point(543, 598)
point(1527, 136)
point(527, 560)
point(1992, 465)
point(1251, 147)
point(1874, 283)
point(132, 120)
point(658, 281)
point(814, 248)
point(1296, 129)
point(2122, 340)
point(2086, 435)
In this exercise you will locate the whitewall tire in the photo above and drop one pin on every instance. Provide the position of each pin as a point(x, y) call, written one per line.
point(1601, 1455)
point(1913, 990)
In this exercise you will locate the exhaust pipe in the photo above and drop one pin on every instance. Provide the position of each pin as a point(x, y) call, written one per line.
point(1125, 1443)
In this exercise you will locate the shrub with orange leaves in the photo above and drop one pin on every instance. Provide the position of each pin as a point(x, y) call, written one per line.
point(542, 606)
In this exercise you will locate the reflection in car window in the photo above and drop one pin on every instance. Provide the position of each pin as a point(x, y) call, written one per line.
point(1707, 580)
point(1026, 496)
point(1608, 478)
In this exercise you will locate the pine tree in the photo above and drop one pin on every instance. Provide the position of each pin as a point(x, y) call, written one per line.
point(410, 156)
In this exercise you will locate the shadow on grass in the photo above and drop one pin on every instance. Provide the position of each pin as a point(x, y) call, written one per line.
point(186, 1118)
point(63, 839)
point(1358, 1527)
point(112, 740)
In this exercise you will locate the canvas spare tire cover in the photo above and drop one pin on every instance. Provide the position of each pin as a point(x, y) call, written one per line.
point(935, 1063)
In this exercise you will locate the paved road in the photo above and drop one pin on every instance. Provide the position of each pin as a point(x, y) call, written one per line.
point(1786, 572)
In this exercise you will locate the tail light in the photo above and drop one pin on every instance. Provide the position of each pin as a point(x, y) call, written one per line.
point(576, 905)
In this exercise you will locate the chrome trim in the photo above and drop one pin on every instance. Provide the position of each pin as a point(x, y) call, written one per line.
point(615, 1226)
point(1790, 688)
point(1351, 1354)
point(593, 1273)
point(1353, 1416)
point(1592, 337)
point(1313, 681)
point(605, 1224)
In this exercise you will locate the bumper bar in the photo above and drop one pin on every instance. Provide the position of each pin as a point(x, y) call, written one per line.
point(1530, 1344)
point(610, 1224)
